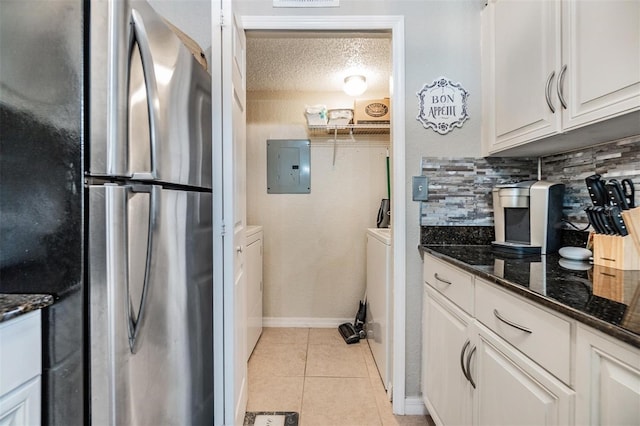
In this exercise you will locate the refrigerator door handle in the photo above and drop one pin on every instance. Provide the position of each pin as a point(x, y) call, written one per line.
point(135, 323)
point(139, 37)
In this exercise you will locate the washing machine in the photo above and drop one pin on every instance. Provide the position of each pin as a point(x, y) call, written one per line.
point(379, 323)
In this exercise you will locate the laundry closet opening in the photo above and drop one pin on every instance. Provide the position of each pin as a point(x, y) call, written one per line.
point(314, 247)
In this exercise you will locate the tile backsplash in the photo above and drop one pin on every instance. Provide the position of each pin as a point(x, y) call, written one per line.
point(616, 160)
point(460, 188)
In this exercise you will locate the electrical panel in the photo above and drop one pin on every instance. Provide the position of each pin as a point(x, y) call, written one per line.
point(288, 166)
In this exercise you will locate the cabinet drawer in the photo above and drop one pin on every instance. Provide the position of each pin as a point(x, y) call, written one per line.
point(452, 282)
point(542, 336)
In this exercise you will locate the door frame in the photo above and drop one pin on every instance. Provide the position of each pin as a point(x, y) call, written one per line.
point(394, 24)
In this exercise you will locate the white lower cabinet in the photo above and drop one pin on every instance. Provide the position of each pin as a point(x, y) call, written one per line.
point(471, 376)
point(446, 391)
point(21, 406)
point(529, 329)
point(513, 390)
point(607, 380)
point(20, 369)
point(509, 361)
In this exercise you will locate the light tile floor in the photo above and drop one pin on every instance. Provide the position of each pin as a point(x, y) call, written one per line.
point(316, 374)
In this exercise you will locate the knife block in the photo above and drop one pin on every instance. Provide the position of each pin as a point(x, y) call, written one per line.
point(608, 283)
point(632, 222)
point(620, 252)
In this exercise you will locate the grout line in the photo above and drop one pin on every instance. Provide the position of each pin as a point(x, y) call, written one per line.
point(306, 352)
point(383, 406)
point(304, 376)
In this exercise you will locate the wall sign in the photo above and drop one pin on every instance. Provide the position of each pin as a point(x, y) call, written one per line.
point(443, 105)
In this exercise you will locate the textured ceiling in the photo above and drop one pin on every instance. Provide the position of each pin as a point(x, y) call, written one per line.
point(313, 61)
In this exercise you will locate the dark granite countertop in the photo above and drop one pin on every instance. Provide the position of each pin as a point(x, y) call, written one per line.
point(14, 305)
point(604, 298)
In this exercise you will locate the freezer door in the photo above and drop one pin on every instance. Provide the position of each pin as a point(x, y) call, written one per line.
point(150, 99)
point(151, 315)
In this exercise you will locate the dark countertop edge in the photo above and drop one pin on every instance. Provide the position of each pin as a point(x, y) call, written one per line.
point(14, 305)
point(603, 326)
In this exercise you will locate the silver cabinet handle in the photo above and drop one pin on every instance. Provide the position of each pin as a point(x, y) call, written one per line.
point(239, 249)
point(548, 92)
point(511, 323)
point(139, 37)
point(464, 348)
point(473, 384)
point(441, 280)
point(561, 85)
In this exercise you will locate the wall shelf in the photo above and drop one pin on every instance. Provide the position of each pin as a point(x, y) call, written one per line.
point(350, 129)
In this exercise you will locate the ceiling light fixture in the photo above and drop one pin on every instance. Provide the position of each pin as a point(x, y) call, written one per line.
point(355, 85)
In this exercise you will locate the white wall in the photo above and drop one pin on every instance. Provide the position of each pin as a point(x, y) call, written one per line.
point(314, 244)
point(442, 39)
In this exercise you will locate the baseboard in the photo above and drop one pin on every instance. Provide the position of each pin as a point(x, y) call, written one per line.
point(413, 406)
point(296, 322)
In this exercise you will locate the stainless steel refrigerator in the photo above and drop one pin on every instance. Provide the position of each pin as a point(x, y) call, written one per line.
point(106, 203)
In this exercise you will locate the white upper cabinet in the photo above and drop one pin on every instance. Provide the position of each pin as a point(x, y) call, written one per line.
point(554, 66)
point(601, 53)
point(523, 54)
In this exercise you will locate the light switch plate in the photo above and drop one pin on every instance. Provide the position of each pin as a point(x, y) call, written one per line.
point(420, 188)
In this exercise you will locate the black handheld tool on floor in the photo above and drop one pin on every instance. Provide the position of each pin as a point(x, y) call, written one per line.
point(352, 333)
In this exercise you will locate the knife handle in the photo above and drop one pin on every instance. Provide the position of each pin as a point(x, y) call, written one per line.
point(615, 194)
point(629, 192)
point(592, 220)
point(601, 215)
point(596, 189)
point(615, 219)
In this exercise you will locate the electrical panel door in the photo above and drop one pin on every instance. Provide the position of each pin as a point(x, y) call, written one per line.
point(288, 166)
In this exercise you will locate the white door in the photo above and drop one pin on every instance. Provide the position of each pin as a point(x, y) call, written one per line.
point(229, 86)
point(238, 136)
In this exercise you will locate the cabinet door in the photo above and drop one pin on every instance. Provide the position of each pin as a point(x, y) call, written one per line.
point(22, 405)
point(607, 381)
point(445, 389)
point(601, 51)
point(513, 390)
point(20, 366)
point(521, 54)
